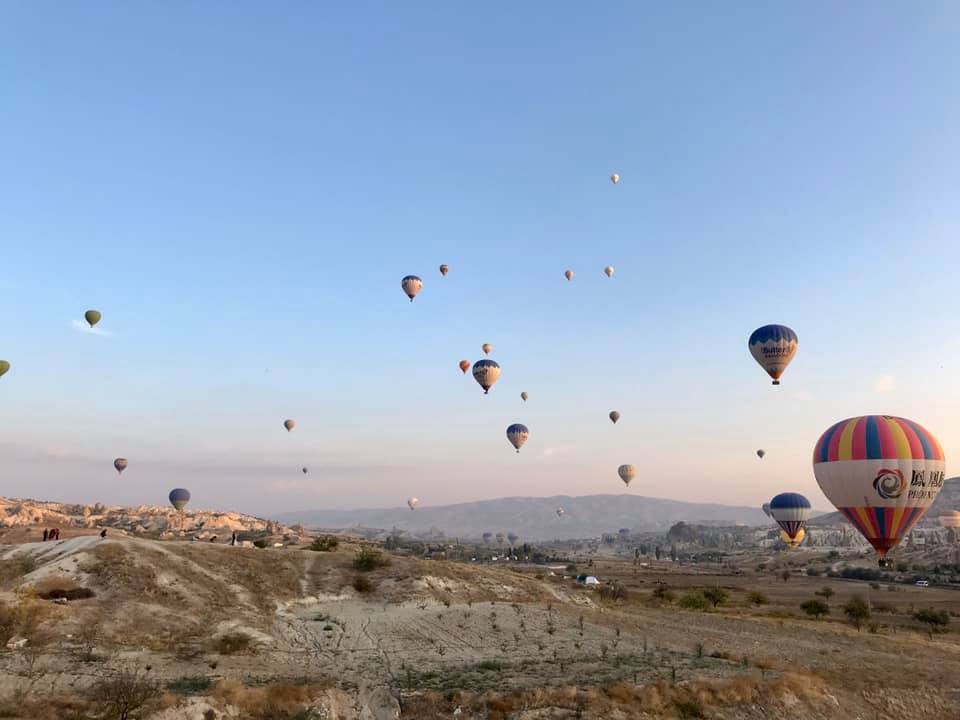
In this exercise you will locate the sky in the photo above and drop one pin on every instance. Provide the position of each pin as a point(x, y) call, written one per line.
point(239, 188)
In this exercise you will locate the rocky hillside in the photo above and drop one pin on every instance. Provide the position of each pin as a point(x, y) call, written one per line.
point(143, 520)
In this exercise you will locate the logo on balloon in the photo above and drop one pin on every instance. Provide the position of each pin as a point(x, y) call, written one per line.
point(889, 484)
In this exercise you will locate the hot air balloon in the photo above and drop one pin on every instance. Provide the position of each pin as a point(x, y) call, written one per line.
point(289, 425)
point(4, 367)
point(791, 511)
point(524, 396)
point(412, 285)
point(766, 509)
point(793, 542)
point(760, 453)
point(487, 537)
point(560, 512)
point(568, 275)
point(773, 346)
point(614, 416)
point(486, 372)
point(500, 538)
point(627, 473)
point(608, 270)
point(92, 317)
point(179, 497)
point(487, 347)
point(464, 366)
point(413, 502)
point(615, 178)
point(120, 464)
point(517, 434)
point(444, 269)
point(305, 471)
point(882, 472)
point(512, 537)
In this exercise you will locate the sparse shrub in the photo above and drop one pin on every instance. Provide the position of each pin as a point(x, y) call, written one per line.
point(368, 559)
point(235, 644)
point(716, 595)
point(874, 586)
point(857, 611)
point(814, 572)
point(324, 543)
point(934, 620)
point(614, 592)
point(785, 575)
point(826, 593)
point(14, 568)
point(260, 544)
point(662, 593)
point(689, 708)
point(758, 598)
point(489, 666)
point(815, 608)
point(694, 600)
point(362, 584)
point(125, 695)
point(189, 685)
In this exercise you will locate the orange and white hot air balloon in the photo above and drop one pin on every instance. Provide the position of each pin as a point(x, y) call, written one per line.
point(413, 502)
point(464, 366)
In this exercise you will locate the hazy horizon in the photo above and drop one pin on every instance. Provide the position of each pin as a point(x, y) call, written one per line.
point(240, 192)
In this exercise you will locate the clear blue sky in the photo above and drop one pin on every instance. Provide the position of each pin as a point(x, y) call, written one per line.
point(240, 187)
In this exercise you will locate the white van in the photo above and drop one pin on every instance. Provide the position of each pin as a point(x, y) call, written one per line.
point(922, 583)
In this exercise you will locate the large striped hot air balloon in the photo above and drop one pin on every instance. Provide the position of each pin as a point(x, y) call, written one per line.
point(882, 472)
point(179, 497)
point(517, 434)
point(773, 346)
point(486, 372)
point(791, 511)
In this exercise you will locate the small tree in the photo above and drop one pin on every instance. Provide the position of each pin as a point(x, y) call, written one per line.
point(758, 598)
point(125, 695)
point(325, 543)
point(368, 559)
point(826, 593)
point(857, 612)
point(934, 620)
point(716, 595)
point(694, 600)
point(815, 608)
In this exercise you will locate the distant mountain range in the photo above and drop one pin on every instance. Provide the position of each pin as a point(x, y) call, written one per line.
point(534, 518)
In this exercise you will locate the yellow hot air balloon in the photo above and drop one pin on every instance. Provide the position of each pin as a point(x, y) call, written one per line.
point(793, 542)
point(608, 270)
point(92, 317)
point(487, 347)
point(615, 178)
point(568, 275)
point(4, 367)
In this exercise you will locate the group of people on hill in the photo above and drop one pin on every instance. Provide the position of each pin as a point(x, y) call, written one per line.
point(51, 534)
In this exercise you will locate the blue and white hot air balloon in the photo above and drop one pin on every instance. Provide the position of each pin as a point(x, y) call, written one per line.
point(791, 511)
point(773, 346)
point(517, 434)
point(412, 285)
point(486, 372)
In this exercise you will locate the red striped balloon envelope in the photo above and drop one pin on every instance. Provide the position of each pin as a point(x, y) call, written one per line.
point(882, 472)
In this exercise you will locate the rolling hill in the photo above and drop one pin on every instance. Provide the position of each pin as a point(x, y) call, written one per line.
point(534, 518)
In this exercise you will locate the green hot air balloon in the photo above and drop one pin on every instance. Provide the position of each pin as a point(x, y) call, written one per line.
point(92, 317)
point(4, 367)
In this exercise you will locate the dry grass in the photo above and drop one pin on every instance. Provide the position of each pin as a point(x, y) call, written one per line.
point(14, 568)
point(276, 701)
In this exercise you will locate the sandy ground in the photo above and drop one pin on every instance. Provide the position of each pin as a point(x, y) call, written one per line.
point(447, 633)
